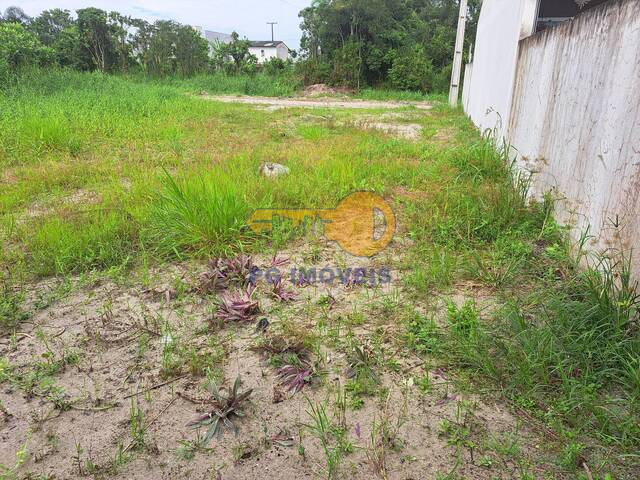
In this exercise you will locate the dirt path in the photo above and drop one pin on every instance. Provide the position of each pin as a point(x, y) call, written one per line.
point(317, 102)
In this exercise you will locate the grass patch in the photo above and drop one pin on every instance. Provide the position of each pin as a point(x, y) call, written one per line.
point(204, 214)
point(220, 83)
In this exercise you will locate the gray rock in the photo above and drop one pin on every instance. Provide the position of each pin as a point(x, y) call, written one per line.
point(273, 170)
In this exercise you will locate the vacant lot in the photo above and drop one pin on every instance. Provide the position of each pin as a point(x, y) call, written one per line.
point(133, 345)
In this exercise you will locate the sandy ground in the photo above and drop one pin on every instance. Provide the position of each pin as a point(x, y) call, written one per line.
point(105, 325)
point(317, 102)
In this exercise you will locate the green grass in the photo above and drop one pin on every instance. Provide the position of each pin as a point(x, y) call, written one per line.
point(202, 214)
point(101, 172)
point(219, 83)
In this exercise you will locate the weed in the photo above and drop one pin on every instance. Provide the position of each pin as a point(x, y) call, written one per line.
point(11, 310)
point(187, 449)
point(280, 292)
point(332, 438)
point(137, 425)
point(226, 408)
point(22, 455)
point(224, 273)
point(295, 377)
point(422, 334)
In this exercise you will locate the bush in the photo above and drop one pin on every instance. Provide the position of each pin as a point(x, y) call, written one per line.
point(347, 65)
point(412, 70)
point(274, 66)
point(313, 71)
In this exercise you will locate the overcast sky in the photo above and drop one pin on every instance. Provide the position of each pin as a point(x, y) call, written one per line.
point(247, 17)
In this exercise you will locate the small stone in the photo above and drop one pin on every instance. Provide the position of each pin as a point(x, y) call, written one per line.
point(273, 170)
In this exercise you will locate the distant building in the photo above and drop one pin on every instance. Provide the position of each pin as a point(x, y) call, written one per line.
point(266, 50)
point(263, 50)
point(213, 37)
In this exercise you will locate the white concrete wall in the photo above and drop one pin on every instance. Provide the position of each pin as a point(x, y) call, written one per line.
point(489, 90)
point(466, 86)
point(575, 121)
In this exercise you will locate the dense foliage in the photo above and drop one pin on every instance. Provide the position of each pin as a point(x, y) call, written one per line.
point(100, 40)
point(407, 44)
point(402, 44)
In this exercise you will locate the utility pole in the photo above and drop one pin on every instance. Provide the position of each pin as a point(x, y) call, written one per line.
point(457, 58)
point(272, 24)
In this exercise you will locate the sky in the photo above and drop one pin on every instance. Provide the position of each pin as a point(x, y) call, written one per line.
point(248, 17)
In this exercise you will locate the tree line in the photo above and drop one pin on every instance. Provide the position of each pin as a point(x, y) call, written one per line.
point(403, 44)
point(98, 40)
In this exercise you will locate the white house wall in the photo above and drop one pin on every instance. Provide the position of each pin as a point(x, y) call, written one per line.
point(575, 120)
point(281, 52)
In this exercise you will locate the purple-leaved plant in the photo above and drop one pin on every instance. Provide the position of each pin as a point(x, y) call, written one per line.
point(238, 307)
point(224, 272)
point(295, 377)
point(279, 292)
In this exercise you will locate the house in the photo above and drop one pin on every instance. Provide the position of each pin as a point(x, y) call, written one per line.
point(266, 50)
point(558, 83)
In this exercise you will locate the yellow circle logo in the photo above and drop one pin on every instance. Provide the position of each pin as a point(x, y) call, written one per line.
point(362, 224)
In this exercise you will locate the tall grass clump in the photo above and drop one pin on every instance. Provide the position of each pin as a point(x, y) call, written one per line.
point(197, 214)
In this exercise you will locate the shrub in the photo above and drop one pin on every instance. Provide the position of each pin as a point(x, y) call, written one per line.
point(412, 70)
point(274, 66)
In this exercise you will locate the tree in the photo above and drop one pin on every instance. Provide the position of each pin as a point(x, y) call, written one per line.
point(234, 56)
point(20, 48)
point(120, 26)
point(49, 25)
point(95, 37)
point(16, 15)
point(69, 50)
point(348, 41)
point(141, 42)
point(162, 59)
point(412, 70)
point(191, 51)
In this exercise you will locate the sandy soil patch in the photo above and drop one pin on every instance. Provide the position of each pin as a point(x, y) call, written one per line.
point(316, 102)
point(114, 350)
point(409, 131)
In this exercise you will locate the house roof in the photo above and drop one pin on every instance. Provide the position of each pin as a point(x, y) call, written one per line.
point(265, 43)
